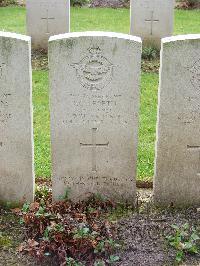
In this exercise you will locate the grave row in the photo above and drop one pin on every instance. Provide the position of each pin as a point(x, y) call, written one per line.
point(150, 19)
point(94, 105)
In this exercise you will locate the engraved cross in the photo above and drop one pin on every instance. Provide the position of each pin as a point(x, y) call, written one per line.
point(195, 148)
point(47, 18)
point(94, 145)
point(152, 20)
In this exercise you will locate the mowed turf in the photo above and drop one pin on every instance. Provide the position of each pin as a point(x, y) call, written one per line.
point(13, 19)
point(106, 19)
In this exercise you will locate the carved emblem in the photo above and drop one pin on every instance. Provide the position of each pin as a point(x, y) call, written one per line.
point(94, 71)
point(195, 74)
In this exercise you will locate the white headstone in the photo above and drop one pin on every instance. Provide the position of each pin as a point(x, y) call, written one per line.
point(177, 172)
point(46, 18)
point(152, 20)
point(16, 129)
point(94, 79)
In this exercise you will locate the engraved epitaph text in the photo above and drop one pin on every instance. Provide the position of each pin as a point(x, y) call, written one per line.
point(195, 74)
point(1, 69)
point(4, 102)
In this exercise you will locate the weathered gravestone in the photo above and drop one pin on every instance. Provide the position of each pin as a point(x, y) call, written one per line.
point(46, 18)
point(16, 130)
point(152, 20)
point(177, 175)
point(94, 80)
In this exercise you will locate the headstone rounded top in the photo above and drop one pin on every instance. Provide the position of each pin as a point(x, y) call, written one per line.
point(94, 81)
point(15, 36)
point(181, 38)
point(95, 34)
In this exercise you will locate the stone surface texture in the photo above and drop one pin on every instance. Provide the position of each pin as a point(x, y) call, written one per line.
point(16, 129)
point(46, 18)
point(152, 20)
point(177, 171)
point(94, 79)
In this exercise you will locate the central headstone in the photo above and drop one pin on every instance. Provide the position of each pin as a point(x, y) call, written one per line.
point(152, 20)
point(46, 18)
point(94, 80)
point(16, 127)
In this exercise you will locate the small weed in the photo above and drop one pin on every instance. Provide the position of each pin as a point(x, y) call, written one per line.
point(4, 241)
point(65, 197)
point(25, 207)
point(99, 263)
point(51, 230)
point(113, 259)
point(71, 262)
point(185, 240)
point(113, 244)
point(150, 53)
point(105, 244)
point(121, 210)
point(42, 192)
point(42, 212)
point(81, 233)
point(100, 247)
point(46, 235)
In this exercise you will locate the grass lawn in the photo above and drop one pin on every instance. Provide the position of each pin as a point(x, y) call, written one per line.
point(82, 19)
point(13, 19)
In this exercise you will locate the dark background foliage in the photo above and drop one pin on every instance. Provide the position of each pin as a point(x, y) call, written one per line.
point(112, 3)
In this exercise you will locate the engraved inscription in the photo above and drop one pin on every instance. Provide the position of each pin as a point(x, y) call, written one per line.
point(1, 69)
point(195, 148)
point(94, 71)
point(4, 99)
point(4, 102)
point(105, 108)
point(195, 74)
point(144, 4)
point(152, 21)
point(94, 145)
point(47, 18)
point(187, 118)
point(99, 181)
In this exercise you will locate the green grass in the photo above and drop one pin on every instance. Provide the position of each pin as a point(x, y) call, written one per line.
point(187, 21)
point(41, 124)
point(148, 111)
point(13, 19)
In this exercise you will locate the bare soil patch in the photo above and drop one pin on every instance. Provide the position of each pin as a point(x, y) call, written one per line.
point(143, 234)
point(11, 235)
